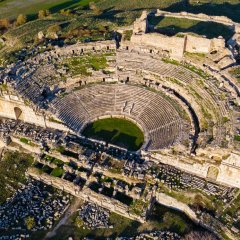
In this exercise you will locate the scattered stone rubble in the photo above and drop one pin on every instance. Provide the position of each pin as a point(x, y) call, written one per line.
point(31, 131)
point(177, 179)
point(15, 237)
point(35, 200)
point(94, 216)
point(156, 235)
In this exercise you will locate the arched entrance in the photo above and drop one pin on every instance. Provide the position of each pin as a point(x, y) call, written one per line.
point(18, 112)
point(212, 173)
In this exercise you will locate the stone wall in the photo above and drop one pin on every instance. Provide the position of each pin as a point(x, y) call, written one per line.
point(175, 204)
point(141, 24)
point(86, 194)
point(197, 44)
point(228, 169)
point(177, 45)
point(172, 45)
point(201, 17)
point(11, 106)
point(89, 47)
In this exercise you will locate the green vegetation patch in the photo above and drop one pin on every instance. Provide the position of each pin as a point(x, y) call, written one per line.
point(83, 65)
point(198, 71)
point(28, 142)
point(12, 172)
point(225, 119)
point(117, 131)
point(166, 218)
point(54, 160)
point(4, 87)
point(138, 206)
point(46, 169)
point(57, 172)
point(192, 68)
point(237, 138)
point(229, 8)
point(121, 227)
point(51, 119)
point(173, 26)
point(127, 35)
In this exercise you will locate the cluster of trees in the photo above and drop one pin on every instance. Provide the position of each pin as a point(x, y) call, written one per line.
point(6, 23)
point(66, 12)
point(21, 19)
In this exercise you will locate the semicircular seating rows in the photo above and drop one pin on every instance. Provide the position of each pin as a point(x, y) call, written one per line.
point(159, 120)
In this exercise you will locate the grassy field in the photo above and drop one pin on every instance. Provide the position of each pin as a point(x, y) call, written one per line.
point(11, 8)
point(12, 172)
point(173, 26)
point(115, 8)
point(81, 65)
point(121, 132)
point(228, 8)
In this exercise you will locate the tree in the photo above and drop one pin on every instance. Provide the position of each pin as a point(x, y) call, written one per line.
point(198, 199)
point(94, 8)
point(54, 28)
point(4, 23)
point(21, 19)
point(66, 12)
point(43, 13)
point(52, 31)
point(30, 222)
point(79, 222)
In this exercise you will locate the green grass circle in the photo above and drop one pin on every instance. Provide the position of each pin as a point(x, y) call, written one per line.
point(117, 131)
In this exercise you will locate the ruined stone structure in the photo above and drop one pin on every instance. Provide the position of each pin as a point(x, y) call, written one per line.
point(183, 112)
point(87, 195)
point(200, 17)
point(225, 172)
point(140, 26)
point(13, 107)
point(176, 46)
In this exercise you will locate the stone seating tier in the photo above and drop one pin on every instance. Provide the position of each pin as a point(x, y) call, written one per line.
point(159, 120)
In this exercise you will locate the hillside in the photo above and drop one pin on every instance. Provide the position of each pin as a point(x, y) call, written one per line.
point(112, 8)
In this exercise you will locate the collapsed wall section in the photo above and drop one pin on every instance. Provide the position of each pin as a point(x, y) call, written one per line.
point(172, 45)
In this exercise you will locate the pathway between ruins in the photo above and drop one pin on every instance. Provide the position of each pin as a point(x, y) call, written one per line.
point(71, 209)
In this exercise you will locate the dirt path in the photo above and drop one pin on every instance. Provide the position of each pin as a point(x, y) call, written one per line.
point(72, 208)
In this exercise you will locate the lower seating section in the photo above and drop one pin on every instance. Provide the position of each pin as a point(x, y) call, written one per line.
point(166, 135)
point(97, 100)
point(159, 119)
